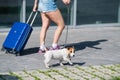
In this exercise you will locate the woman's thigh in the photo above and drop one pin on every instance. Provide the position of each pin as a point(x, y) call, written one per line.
point(56, 17)
point(45, 20)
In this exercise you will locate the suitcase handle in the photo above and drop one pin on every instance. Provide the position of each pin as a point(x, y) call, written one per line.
point(33, 18)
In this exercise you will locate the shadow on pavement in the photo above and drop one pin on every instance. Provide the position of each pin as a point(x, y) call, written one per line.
point(8, 77)
point(30, 51)
point(65, 64)
point(77, 46)
point(83, 45)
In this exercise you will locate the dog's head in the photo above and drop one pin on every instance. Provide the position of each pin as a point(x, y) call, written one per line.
point(71, 51)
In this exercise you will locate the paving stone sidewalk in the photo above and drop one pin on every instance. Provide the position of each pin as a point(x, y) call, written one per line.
point(103, 72)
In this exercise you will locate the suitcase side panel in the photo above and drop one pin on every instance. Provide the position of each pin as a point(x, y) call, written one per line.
point(14, 36)
point(24, 38)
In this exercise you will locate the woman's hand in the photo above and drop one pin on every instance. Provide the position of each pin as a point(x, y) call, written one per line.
point(66, 2)
point(35, 7)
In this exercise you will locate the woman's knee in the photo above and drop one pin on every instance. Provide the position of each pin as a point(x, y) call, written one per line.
point(61, 24)
point(45, 20)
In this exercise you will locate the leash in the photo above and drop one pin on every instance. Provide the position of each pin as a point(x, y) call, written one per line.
point(68, 12)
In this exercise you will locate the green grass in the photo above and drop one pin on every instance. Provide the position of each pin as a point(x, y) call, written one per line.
point(35, 77)
point(61, 74)
point(76, 73)
point(46, 73)
point(95, 75)
point(17, 76)
point(115, 78)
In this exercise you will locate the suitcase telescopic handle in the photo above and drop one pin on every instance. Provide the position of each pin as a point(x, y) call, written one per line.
point(33, 18)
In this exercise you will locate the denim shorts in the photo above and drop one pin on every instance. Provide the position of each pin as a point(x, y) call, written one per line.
point(47, 5)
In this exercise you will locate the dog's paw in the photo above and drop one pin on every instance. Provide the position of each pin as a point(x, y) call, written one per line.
point(61, 64)
point(71, 64)
point(47, 67)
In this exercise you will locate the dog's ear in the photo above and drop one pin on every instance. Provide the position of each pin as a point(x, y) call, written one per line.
point(68, 48)
point(73, 48)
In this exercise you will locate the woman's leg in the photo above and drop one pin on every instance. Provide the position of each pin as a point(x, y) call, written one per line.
point(56, 17)
point(45, 26)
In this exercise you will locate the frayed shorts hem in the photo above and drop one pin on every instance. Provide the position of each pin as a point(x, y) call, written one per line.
point(45, 11)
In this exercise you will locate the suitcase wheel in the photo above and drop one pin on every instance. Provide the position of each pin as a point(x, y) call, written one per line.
point(13, 51)
point(17, 54)
point(2, 49)
point(6, 52)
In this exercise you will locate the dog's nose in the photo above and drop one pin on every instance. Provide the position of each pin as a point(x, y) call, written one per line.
point(73, 55)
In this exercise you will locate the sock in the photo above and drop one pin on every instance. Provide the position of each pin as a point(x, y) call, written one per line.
point(54, 45)
point(42, 46)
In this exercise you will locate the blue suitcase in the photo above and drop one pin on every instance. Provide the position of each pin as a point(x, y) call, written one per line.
point(18, 36)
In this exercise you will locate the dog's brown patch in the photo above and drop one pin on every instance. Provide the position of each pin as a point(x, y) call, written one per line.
point(70, 50)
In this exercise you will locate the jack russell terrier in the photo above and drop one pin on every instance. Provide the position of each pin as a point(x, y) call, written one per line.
point(61, 54)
